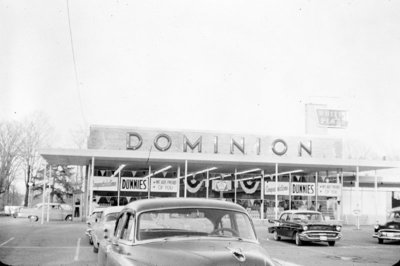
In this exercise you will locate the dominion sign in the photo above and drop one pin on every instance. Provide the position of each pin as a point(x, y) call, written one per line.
point(137, 139)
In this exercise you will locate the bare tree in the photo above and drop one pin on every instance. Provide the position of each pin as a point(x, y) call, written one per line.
point(10, 143)
point(35, 132)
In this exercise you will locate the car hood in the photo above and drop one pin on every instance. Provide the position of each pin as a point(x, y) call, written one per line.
point(198, 252)
point(392, 225)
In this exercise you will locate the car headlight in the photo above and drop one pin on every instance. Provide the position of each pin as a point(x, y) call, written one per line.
point(338, 228)
point(376, 226)
point(305, 227)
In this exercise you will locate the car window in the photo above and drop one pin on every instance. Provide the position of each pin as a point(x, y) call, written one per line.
point(307, 217)
point(284, 217)
point(193, 222)
point(119, 224)
point(127, 229)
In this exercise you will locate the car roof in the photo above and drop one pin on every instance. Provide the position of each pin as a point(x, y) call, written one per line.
point(167, 203)
point(112, 209)
point(299, 211)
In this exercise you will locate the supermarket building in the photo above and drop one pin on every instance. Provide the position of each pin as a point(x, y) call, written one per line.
point(264, 174)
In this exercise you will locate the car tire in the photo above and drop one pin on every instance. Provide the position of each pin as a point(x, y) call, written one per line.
point(68, 218)
point(33, 218)
point(95, 249)
point(276, 236)
point(331, 243)
point(380, 241)
point(90, 241)
point(298, 240)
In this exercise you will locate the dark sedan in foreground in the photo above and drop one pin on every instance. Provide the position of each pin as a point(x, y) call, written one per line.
point(305, 226)
point(183, 232)
point(391, 229)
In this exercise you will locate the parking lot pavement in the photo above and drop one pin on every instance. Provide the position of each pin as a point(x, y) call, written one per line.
point(357, 247)
point(57, 243)
point(64, 243)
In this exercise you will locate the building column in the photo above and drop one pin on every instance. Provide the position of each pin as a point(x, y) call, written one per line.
point(235, 186)
point(208, 183)
point(185, 179)
point(148, 183)
point(91, 187)
point(48, 196)
point(44, 192)
point(376, 195)
point(262, 196)
point(178, 178)
point(290, 191)
point(276, 191)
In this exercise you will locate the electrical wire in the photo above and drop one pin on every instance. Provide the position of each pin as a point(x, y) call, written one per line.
point(75, 65)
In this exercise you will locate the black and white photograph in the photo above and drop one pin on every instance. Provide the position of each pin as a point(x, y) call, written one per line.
point(199, 132)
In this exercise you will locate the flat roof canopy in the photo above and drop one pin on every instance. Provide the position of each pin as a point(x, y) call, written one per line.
point(198, 161)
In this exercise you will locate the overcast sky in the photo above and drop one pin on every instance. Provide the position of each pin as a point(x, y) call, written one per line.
point(231, 66)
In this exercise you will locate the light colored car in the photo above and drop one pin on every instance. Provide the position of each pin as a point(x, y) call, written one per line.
point(92, 219)
point(177, 231)
point(105, 223)
point(57, 211)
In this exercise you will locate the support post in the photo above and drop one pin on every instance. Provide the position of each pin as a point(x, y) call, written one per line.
point(178, 178)
point(262, 196)
point(235, 185)
point(185, 180)
point(148, 183)
point(90, 187)
point(290, 191)
point(276, 191)
point(48, 197)
point(208, 183)
point(316, 191)
point(44, 192)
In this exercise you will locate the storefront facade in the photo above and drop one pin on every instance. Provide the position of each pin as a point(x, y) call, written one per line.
point(264, 174)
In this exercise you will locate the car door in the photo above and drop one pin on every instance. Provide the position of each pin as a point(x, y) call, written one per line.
point(123, 241)
point(55, 212)
point(281, 227)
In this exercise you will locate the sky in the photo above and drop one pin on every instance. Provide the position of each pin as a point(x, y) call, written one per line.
point(227, 65)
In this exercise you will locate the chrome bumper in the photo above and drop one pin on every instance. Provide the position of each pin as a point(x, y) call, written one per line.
point(393, 235)
point(87, 232)
point(318, 236)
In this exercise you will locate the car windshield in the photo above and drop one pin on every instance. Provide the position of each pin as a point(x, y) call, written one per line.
point(307, 217)
point(111, 216)
point(395, 216)
point(188, 222)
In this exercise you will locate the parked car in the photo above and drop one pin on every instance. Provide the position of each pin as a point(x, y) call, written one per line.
point(105, 223)
point(391, 229)
point(57, 211)
point(176, 231)
point(92, 219)
point(305, 226)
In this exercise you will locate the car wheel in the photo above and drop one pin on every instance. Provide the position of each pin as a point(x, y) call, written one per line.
point(331, 243)
point(95, 249)
point(90, 241)
point(380, 241)
point(33, 218)
point(68, 218)
point(298, 240)
point(276, 236)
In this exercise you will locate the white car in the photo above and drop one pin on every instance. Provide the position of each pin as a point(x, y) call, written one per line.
point(57, 211)
point(107, 222)
point(92, 219)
